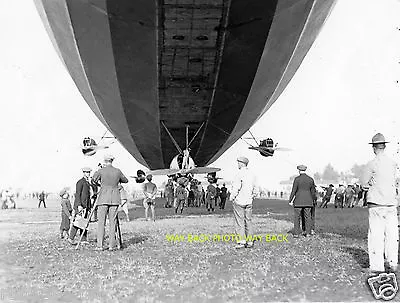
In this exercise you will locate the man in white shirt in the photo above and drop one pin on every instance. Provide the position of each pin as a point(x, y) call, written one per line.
point(243, 193)
point(383, 234)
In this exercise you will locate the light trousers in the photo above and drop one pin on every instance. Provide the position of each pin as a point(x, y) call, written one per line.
point(244, 226)
point(383, 237)
point(102, 211)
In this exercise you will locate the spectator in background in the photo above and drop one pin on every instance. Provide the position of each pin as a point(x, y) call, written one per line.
point(181, 194)
point(169, 193)
point(339, 196)
point(223, 196)
point(42, 197)
point(304, 195)
point(211, 195)
point(217, 197)
point(150, 192)
point(327, 196)
point(357, 196)
point(349, 196)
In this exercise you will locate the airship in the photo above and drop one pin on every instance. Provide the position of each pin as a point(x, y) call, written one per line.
point(165, 76)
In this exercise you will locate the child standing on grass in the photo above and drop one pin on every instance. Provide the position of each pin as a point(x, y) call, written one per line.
point(66, 214)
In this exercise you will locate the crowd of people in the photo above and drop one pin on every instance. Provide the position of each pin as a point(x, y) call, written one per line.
point(190, 192)
point(104, 195)
point(350, 196)
point(8, 199)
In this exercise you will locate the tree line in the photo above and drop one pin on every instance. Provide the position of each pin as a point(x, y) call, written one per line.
point(330, 174)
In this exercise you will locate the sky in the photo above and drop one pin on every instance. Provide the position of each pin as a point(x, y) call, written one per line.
point(343, 93)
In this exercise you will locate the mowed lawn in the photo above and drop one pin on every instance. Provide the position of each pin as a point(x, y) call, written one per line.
point(37, 266)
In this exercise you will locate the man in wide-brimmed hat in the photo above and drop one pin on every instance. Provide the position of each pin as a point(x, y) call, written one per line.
point(383, 235)
point(304, 195)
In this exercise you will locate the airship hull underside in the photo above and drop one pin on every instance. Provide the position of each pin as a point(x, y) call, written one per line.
point(148, 68)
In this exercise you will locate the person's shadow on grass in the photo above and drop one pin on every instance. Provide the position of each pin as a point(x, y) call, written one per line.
point(358, 254)
point(132, 240)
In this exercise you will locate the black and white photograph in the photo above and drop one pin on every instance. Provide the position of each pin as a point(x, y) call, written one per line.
point(199, 151)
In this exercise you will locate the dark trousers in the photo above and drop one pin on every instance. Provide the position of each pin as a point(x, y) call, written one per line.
point(210, 203)
point(313, 218)
point(73, 232)
point(40, 202)
point(180, 203)
point(303, 221)
point(325, 201)
point(103, 210)
point(302, 213)
point(339, 201)
point(223, 201)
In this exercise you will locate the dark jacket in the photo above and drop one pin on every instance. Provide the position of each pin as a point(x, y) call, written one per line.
point(82, 194)
point(109, 178)
point(224, 192)
point(303, 191)
point(329, 191)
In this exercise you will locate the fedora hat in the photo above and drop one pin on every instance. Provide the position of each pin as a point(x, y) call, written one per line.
point(378, 139)
point(301, 167)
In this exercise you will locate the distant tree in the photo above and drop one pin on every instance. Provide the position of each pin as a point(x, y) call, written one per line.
point(358, 170)
point(292, 177)
point(330, 173)
point(317, 176)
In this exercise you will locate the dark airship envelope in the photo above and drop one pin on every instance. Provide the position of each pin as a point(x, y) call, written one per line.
point(202, 71)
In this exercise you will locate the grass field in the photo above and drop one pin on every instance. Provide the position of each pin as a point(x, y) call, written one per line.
point(37, 266)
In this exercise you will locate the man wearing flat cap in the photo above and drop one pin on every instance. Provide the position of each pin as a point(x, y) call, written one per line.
point(108, 199)
point(383, 235)
point(304, 195)
point(82, 203)
point(242, 193)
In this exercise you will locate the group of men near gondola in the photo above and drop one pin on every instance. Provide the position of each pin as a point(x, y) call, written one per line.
point(189, 192)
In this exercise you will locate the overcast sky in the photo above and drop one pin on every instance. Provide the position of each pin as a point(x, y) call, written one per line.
point(344, 92)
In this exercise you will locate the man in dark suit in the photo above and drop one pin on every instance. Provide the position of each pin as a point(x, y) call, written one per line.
point(108, 199)
point(223, 195)
point(82, 203)
point(304, 195)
